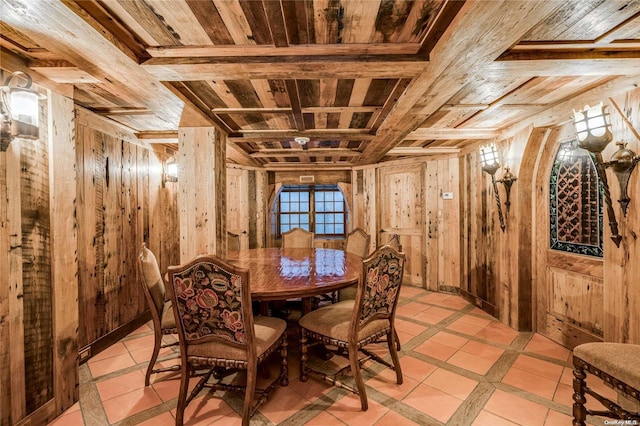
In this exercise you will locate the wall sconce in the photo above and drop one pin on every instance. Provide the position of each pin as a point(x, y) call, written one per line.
point(169, 171)
point(18, 110)
point(491, 163)
point(593, 130)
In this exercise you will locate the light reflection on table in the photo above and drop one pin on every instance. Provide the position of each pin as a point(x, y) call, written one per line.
point(278, 274)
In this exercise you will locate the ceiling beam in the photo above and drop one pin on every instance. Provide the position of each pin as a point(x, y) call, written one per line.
point(373, 49)
point(416, 150)
point(322, 134)
point(52, 23)
point(447, 133)
point(333, 152)
point(187, 69)
point(468, 49)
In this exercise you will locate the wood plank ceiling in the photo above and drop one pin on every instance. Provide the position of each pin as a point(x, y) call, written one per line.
point(364, 80)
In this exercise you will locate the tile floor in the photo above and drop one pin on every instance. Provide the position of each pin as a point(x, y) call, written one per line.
point(461, 367)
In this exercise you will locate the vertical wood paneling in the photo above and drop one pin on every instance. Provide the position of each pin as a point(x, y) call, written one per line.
point(15, 278)
point(202, 194)
point(239, 204)
point(36, 269)
point(64, 247)
point(5, 352)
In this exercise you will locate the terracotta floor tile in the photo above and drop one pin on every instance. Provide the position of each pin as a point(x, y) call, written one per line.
point(545, 369)
point(465, 328)
point(164, 419)
point(139, 343)
point(410, 328)
point(130, 403)
point(567, 376)
point(410, 291)
point(68, 419)
point(119, 385)
point(404, 337)
point(564, 394)
point(451, 383)
point(435, 298)
point(324, 419)
point(144, 354)
point(411, 309)
point(117, 348)
point(348, 410)
point(208, 409)
point(498, 333)
point(311, 389)
point(475, 320)
point(282, 404)
point(109, 365)
point(449, 339)
point(530, 382)
point(169, 388)
point(516, 409)
point(483, 350)
point(557, 419)
point(146, 328)
point(435, 350)
point(486, 418)
point(415, 368)
point(470, 362)
point(479, 312)
point(544, 346)
point(433, 315)
point(433, 402)
point(385, 382)
point(394, 419)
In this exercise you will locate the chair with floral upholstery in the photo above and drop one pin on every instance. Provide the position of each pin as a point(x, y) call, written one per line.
point(161, 310)
point(217, 331)
point(352, 325)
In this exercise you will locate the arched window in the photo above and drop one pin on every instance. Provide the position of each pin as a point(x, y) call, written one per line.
point(317, 208)
point(575, 202)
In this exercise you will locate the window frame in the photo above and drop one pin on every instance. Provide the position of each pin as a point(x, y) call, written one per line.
point(312, 190)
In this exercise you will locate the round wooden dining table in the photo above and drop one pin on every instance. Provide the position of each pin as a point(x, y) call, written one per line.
point(287, 273)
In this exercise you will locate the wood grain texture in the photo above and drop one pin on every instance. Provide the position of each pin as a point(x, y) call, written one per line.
point(64, 247)
point(279, 274)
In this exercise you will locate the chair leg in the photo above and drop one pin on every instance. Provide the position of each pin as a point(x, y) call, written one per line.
point(154, 356)
point(396, 338)
point(357, 377)
point(185, 374)
point(252, 372)
point(303, 355)
point(392, 342)
point(579, 410)
point(284, 371)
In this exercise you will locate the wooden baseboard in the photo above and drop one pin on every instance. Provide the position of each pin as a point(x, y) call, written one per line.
point(102, 343)
point(480, 303)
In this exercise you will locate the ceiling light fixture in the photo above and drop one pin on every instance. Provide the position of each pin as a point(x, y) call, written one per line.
point(302, 140)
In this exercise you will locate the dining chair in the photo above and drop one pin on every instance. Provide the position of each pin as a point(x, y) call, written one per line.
point(617, 365)
point(233, 241)
point(357, 243)
point(217, 330)
point(352, 325)
point(297, 238)
point(161, 310)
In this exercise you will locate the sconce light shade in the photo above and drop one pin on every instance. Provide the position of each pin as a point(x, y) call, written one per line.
point(489, 159)
point(18, 110)
point(170, 171)
point(593, 127)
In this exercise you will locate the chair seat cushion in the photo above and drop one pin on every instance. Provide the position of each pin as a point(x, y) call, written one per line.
point(334, 321)
point(620, 360)
point(347, 293)
point(267, 331)
point(168, 320)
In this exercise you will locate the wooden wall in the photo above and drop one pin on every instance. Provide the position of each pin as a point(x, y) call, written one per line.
point(569, 298)
point(121, 205)
point(38, 283)
point(247, 205)
point(405, 197)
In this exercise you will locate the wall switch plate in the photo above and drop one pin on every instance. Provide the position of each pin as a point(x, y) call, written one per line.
point(447, 195)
